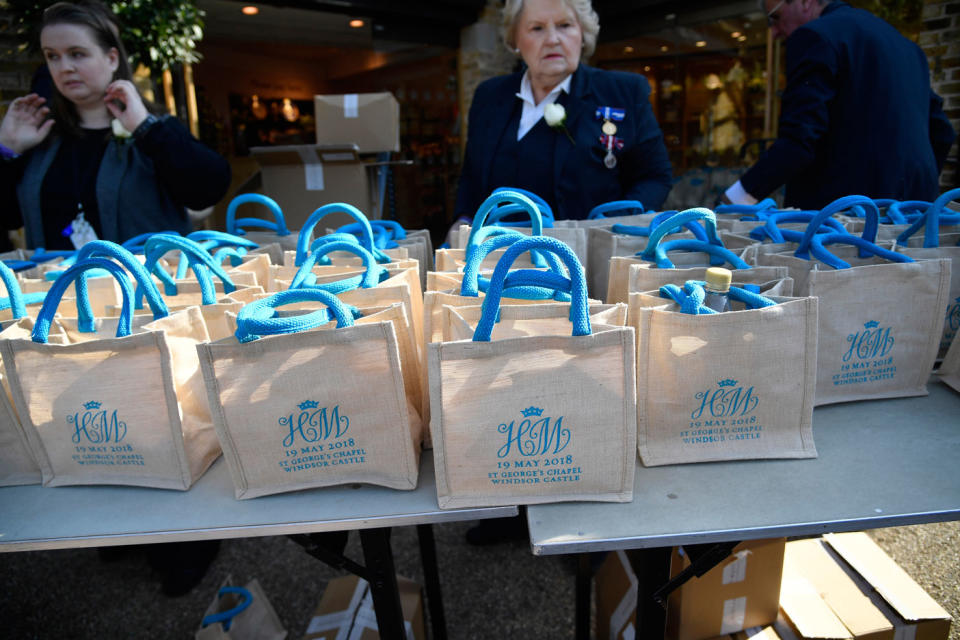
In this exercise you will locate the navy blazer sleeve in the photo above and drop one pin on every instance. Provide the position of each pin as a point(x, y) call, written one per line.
point(942, 134)
point(811, 85)
point(647, 175)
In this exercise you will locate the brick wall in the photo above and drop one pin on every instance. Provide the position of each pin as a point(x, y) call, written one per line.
point(940, 40)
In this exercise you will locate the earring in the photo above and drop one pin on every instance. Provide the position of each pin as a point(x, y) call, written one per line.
point(516, 51)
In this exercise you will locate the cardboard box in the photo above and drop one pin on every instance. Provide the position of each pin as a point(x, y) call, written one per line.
point(615, 586)
point(303, 178)
point(757, 633)
point(804, 615)
point(369, 120)
point(813, 560)
point(347, 608)
point(911, 610)
point(741, 592)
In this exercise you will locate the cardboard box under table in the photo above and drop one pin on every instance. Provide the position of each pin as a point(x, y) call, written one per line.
point(346, 611)
point(741, 592)
point(303, 178)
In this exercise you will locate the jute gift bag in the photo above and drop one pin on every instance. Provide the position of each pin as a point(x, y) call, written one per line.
point(724, 386)
point(881, 313)
point(949, 370)
point(500, 202)
point(240, 613)
point(305, 237)
point(17, 465)
point(128, 410)
point(538, 418)
point(688, 260)
point(503, 203)
point(257, 229)
point(938, 242)
point(283, 426)
point(390, 234)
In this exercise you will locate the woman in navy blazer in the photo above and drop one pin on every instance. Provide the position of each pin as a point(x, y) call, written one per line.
point(509, 144)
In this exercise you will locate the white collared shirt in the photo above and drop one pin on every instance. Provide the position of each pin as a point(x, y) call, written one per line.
point(532, 112)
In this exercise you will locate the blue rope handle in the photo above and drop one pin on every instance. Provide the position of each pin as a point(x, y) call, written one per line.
point(772, 230)
point(372, 274)
point(234, 254)
point(199, 259)
point(226, 617)
point(533, 284)
point(20, 265)
point(498, 198)
point(654, 253)
point(718, 255)
point(698, 231)
point(42, 255)
point(756, 211)
point(41, 328)
point(617, 207)
point(931, 220)
point(472, 283)
point(691, 297)
point(211, 240)
point(303, 240)
point(234, 226)
point(579, 314)
point(545, 210)
point(498, 215)
point(898, 211)
point(115, 252)
point(14, 297)
point(872, 213)
point(259, 318)
point(385, 232)
point(820, 252)
point(478, 238)
point(135, 244)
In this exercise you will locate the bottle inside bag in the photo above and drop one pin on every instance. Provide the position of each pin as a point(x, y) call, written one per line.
point(718, 289)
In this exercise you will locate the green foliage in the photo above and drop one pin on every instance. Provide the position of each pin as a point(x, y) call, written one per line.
point(156, 33)
point(903, 14)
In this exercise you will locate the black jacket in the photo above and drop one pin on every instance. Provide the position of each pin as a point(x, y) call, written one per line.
point(581, 180)
point(859, 116)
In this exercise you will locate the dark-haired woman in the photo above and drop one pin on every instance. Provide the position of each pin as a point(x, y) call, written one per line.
point(98, 152)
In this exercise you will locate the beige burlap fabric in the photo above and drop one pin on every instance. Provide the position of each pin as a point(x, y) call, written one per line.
point(313, 409)
point(17, 465)
point(104, 410)
point(880, 323)
point(528, 418)
point(729, 386)
point(630, 274)
point(949, 370)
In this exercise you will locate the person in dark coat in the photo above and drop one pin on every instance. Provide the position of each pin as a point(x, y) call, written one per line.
point(576, 166)
point(858, 114)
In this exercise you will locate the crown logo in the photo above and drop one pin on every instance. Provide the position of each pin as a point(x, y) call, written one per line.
point(873, 324)
point(727, 383)
point(93, 404)
point(531, 411)
point(309, 404)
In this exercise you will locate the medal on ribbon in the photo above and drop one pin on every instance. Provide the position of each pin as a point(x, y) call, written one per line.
point(610, 116)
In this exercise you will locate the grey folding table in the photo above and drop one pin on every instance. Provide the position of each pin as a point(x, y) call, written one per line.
point(881, 463)
point(35, 518)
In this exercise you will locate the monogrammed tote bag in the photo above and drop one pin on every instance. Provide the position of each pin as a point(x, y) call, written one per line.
point(534, 418)
point(737, 385)
point(297, 408)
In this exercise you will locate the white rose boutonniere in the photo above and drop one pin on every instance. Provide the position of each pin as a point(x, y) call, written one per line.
point(119, 131)
point(556, 118)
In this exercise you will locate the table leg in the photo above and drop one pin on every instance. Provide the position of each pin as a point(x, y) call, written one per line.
point(431, 578)
point(383, 582)
point(653, 571)
point(584, 582)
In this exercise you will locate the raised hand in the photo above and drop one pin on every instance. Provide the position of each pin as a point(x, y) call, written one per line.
point(125, 104)
point(26, 123)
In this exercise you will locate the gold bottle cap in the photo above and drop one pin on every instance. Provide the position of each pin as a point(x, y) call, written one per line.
point(719, 279)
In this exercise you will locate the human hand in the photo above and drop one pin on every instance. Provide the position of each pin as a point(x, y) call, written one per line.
point(26, 124)
point(125, 104)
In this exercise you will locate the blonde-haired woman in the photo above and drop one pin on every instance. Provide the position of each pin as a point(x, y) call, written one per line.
point(608, 147)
